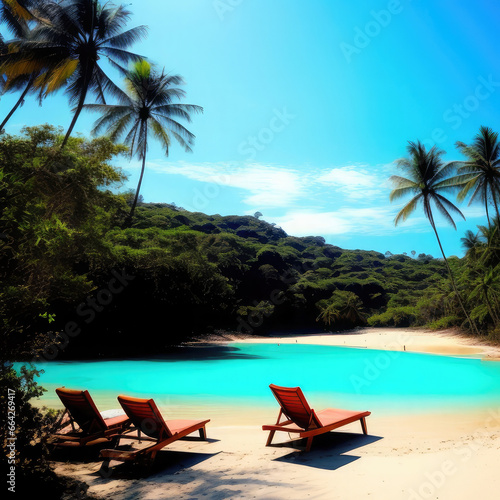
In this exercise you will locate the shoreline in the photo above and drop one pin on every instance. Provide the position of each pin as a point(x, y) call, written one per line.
point(448, 455)
point(449, 342)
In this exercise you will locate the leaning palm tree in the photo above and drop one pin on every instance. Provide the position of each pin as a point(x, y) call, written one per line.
point(148, 108)
point(480, 173)
point(66, 46)
point(18, 20)
point(427, 178)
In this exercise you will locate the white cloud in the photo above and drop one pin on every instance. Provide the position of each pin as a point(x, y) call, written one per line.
point(356, 182)
point(267, 186)
point(361, 194)
point(378, 221)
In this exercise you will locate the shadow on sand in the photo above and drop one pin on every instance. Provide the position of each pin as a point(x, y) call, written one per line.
point(327, 450)
point(167, 463)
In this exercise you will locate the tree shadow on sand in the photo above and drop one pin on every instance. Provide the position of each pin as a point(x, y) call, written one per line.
point(167, 462)
point(173, 468)
point(327, 450)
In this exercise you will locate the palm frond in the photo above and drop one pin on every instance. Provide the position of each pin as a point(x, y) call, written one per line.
point(408, 209)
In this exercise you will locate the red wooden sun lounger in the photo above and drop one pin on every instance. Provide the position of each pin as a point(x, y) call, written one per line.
point(303, 420)
point(147, 419)
point(81, 410)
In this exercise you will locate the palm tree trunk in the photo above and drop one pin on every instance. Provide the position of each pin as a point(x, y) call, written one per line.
point(494, 317)
point(496, 207)
point(18, 103)
point(128, 220)
point(75, 118)
point(79, 108)
point(471, 323)
point(487, 213)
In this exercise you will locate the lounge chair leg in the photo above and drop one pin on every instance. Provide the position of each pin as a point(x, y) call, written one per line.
point(104, 470)
point(270, 438)
point(203, 434)
point(363, 425)
point(309, 443)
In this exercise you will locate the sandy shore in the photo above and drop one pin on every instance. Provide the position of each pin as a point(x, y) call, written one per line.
point(445, 456)
point(447, 342)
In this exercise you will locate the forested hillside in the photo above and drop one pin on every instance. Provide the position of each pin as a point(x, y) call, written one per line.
point(76, 277)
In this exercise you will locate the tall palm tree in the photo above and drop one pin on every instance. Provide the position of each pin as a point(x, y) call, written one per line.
point(148, 108)
point(17, 18)
point(480, 173)
point(427, 178)
point(67, 44)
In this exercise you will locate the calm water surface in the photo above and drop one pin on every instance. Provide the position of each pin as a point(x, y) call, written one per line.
point(218, 379)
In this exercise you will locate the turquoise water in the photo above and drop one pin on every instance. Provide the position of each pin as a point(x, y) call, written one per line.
point(219, 377)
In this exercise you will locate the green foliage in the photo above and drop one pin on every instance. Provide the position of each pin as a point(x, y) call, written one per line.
point(55, 212)
point(23, 437)
point(402, 316)
point(444, 322)
point(342, 310)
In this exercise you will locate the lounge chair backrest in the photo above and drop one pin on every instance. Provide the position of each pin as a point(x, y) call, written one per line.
point(82, 409)
point(295, 407)
point(144, 414)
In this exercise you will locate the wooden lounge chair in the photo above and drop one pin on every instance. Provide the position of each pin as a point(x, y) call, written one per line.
point(303, 420)
point(147, 419)
point(93, 427)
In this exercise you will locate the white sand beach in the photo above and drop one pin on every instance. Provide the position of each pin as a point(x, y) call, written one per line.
point(404, 456)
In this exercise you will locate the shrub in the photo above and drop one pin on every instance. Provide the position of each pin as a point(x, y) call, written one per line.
point(394, 316)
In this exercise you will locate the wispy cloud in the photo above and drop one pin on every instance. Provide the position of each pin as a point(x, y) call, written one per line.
point(344, 200)
point(375, 221)
point(356, 182)
point(265, 186)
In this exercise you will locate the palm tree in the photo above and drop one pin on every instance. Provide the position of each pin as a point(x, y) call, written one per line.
point(343, 307)
point(428, 176)
point(480, 173)
point(18, 19)
point(21, 9)
point(66, 45)
point(147, 109)
point(485, 290)
point(472, 243)
point(490, 248)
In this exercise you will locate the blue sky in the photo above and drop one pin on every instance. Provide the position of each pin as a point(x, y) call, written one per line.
point(308, 104)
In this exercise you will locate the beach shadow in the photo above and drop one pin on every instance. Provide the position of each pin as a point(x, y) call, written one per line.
point(327, 450)
point(199, 352)
point(179, 469)
point(167, 463)
point(204, 351)
point(82, 455)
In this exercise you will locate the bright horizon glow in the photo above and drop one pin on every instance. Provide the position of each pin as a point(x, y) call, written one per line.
point(307, 106)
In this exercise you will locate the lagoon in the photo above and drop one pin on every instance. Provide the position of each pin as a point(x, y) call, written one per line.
point(228, 382)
